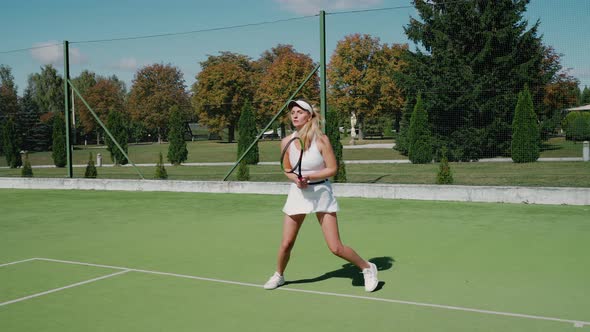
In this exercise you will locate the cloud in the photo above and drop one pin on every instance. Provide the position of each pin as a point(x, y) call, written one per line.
point(51, 53)
point(126, 64)
point(312, 7)
point(580, 72)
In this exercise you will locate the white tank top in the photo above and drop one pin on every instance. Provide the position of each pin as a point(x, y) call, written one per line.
point(312, 160)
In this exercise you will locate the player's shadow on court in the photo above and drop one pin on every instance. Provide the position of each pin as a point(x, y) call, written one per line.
point(350, 271)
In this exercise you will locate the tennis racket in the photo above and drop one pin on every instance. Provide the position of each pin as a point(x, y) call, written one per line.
point(286, 162)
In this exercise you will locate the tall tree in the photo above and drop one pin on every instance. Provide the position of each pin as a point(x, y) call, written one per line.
point(247, 134)
point(525, 133)
point(11, 144)
point(420, 143)
point(585, 99)
point(473, 58)
point(8, 94)
point(116, 122)
point(27, 118)
point(391, 101)
point(36, 132)
point(8, 100)
point(281, 77)
point(47, 90)
point(577, 126)
point(58, 148)
point(334, 135)
point(222, 87)
point(82, 83)
point(105, 95)
point(155, 89)
point(360, 76)
point(348, 70)
point(177, 151)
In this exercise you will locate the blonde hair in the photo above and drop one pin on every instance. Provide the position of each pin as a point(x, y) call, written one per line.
point(312, 129)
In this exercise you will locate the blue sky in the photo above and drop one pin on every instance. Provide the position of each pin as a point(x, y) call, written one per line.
point(565, 25)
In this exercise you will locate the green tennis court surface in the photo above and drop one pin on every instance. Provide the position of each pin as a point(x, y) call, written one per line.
point(156, 261)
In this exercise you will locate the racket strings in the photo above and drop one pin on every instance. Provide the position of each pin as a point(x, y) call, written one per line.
point(285, 156)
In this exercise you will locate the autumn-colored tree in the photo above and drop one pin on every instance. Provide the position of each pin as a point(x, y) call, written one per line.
point(8, 95)
point(391, 101)
point(279, 81)
point(360, 76)
point(221, 89)
point(155, 89)
point(348, 70)
point(102, 97)
point(560, 92)
point(268, 57)
point(82, 83)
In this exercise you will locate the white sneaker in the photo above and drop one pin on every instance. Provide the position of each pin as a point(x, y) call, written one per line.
point(275, 281)
point(370, 275)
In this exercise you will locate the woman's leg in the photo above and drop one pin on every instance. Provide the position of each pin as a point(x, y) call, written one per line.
point(329, 223)
point(291, 226)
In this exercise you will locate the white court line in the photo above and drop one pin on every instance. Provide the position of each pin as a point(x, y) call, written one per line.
point(62, 288)
point(577, 323)
point(12, 263)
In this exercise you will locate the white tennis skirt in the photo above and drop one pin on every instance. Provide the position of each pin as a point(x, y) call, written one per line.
point(314, 198)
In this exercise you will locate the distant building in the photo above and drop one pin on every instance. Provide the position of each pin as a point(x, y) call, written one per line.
point(579, 108)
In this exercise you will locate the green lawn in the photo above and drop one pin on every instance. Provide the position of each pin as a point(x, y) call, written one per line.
point(546, 174)
point(218, 151)
point(558, 147)
point(509, 258)
point(574, 174)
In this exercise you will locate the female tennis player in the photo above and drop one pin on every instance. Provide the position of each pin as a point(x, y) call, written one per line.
point(312, 193)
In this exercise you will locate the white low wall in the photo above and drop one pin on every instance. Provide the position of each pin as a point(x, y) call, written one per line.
point(531, 195)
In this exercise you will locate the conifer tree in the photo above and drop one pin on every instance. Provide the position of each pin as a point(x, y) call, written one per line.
point(401, 142)
point(471, 59)
point(11, 144)
point(243, 171)
point(90, 172)
point(58, 148)
point(444, 176)
point(1, 136)
point(585, 97)
point(334, 135)
point(160, 169)
point(27, 170)
point(247, 134)
point(420, 142)
point(117, 127)
point(177, 151)
point(525, 131)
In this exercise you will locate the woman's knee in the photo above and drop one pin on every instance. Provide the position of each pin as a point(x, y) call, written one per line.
point(287, 245)
point(337, 249)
